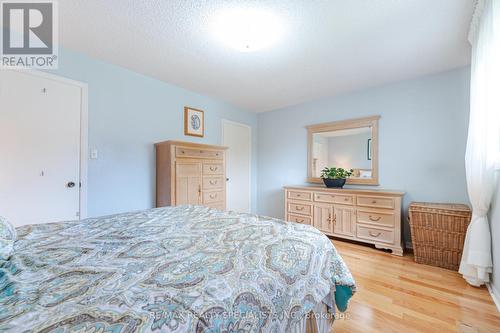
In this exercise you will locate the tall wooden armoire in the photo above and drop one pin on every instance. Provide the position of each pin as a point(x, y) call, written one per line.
point(190, 174)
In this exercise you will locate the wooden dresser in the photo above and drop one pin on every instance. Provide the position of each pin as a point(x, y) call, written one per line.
point(190, 174)
point(370, 216)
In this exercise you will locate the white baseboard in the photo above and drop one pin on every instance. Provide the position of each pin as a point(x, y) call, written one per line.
point(495, 294)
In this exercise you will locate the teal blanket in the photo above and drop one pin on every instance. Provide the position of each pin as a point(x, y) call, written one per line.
point(180, 269)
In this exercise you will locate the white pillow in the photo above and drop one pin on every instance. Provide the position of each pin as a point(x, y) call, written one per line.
point(365, 174)
point(7, 238)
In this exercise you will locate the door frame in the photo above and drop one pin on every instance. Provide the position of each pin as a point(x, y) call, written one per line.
point(84, 131)
point(226, 121)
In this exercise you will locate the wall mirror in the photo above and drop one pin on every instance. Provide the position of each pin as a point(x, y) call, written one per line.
point(349, 144)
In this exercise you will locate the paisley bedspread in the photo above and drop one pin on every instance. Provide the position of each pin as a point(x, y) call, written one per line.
point(175, 269)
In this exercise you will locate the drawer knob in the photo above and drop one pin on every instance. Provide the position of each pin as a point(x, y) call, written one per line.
point(213, 196)
point(299, 208)
point(299, 221)
point(374, 201)
point(374, 219)
point(373, 234)
point(213, 168)
point(213, 182)
point(346, 199)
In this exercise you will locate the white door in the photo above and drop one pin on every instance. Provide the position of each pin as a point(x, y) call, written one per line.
point(238, 138)
point(39, 148)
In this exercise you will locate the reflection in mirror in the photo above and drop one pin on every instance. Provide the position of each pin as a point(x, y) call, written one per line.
point(347, 148)
point(347, 144)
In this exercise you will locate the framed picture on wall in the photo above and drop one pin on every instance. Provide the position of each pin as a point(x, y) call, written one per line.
point(369, 150)
point(194, 122)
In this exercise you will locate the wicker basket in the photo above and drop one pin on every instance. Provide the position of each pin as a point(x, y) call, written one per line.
point(438, 233)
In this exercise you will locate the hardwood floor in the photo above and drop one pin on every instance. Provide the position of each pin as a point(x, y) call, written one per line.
point(395, 294)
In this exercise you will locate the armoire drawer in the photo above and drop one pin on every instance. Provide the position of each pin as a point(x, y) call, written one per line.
point(376, 202)
point(375, 234)
point(213, 196)
point(198, 153)
point(300, 208)
point(300, 195)
point(213, 169)
point(344, 199)
point(213, 183)
point(382, 218)
point(217, 205)
point(300, 219)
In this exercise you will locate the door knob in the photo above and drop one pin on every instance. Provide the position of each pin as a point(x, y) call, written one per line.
point(70, 184)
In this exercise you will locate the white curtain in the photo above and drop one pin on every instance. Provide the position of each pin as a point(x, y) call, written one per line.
point(483, 139)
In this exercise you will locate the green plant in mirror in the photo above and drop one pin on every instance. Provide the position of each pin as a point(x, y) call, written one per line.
point(336, 173)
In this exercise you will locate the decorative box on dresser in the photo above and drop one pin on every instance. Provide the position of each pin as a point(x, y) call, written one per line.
point(190, 174)
point(369, 216)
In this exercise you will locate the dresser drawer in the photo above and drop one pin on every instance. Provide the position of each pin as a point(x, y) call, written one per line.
point(375, 234)
point(344, 199)
point(213, 196)
point(382, 218)
point(299, 219)
point(376, 202)
point(300, 195)
point(217, 205)
point(198, 153)
point(213, 183)
point(300, 208)
point(213, 169)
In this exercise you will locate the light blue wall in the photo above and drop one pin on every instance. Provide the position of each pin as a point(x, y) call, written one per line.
point(128, 113)
point(422, 139)
point(349, 151)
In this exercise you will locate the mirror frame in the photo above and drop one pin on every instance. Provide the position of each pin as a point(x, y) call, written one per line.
point(343, 125)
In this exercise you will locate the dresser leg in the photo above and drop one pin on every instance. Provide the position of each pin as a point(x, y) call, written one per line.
point(396, 251)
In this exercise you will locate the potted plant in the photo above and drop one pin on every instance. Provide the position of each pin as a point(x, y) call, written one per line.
point(335, 177)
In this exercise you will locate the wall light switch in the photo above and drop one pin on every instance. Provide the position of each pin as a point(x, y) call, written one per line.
point(94, 154)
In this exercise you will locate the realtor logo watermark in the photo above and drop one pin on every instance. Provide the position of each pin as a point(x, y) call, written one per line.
point(29, 34)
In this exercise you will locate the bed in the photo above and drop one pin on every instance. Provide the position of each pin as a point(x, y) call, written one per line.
point(174, 269)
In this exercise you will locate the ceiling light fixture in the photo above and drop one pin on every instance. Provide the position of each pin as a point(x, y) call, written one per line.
point(247, 30)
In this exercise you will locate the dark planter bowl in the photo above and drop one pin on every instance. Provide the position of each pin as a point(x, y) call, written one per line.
point(338, 183)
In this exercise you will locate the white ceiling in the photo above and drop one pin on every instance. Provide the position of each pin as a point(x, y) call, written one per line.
point(329, 47)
